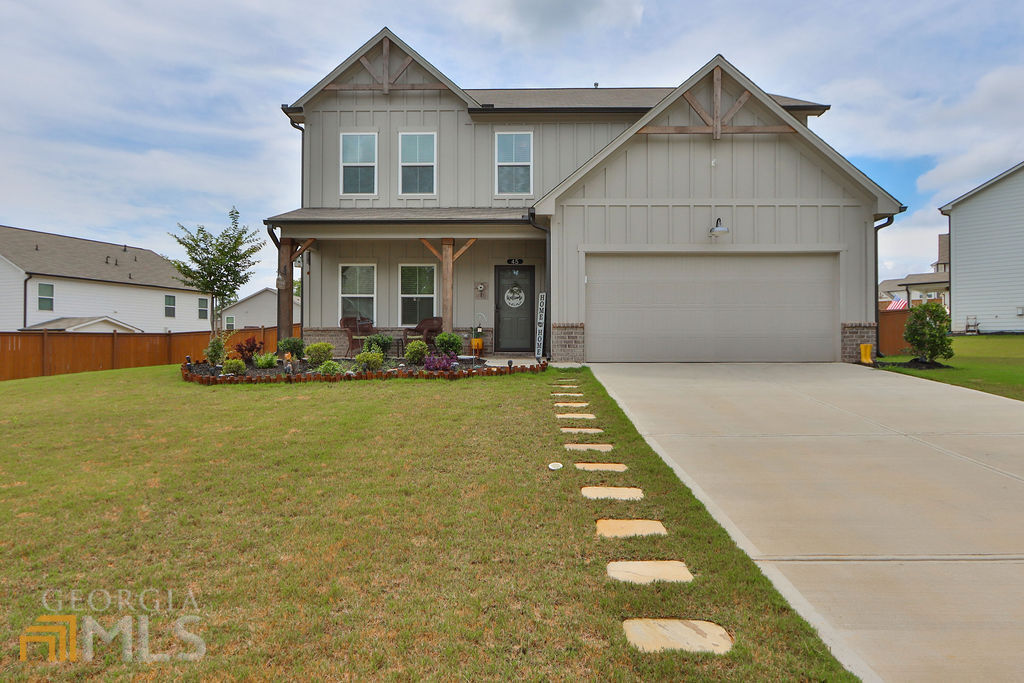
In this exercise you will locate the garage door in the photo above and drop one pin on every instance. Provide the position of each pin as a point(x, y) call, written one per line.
point(714, 308)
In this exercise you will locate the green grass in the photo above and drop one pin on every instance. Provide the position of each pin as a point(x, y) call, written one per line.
point(991, 363)
point(400, 529)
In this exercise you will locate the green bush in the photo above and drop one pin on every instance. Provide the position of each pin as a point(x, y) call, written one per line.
point(927, 331)
point(381, 341)
point(319, 353)
point(371, 360)
point(448, 342)
point(415, 352)
point(234, 366)
point(292, 345)
point(328, 367)
point(265, 360)
point(215, 351)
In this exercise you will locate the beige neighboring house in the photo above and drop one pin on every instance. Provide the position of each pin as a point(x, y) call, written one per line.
point(703, 222)
point(986, 232)
point(57, 282)
point(918, 288)
point(256, 310)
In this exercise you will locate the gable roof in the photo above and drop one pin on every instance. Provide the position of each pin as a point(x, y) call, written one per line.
point(887, 205)
point(43, 253)
point(944, 210)
point(72, 324)
point(295, 300)
point(366, 47)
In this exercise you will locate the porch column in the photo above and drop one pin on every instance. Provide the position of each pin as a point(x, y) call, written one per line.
point(285, 290)
point(447, 283)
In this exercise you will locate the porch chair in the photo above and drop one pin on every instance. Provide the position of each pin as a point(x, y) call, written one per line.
point(971, 326)
point(425, 331)
point(357, 329)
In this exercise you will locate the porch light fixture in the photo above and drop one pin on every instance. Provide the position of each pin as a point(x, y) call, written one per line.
point(718, 229)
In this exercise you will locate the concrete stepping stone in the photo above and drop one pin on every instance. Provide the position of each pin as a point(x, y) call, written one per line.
point(656, 635)
point(581, 430)
point(566, 386)
point(571, 404)
point(556, 393)
point(649, 571)
point(612, 492)
point(601, 466)
point(601, 447)
point(576, 416)
point(624, 528)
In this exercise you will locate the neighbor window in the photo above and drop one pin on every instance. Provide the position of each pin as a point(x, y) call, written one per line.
point(45, 297)
point(513, 154)
point(358, 163)
point(168, 305)
point(358, 290)
point(204, 308)
point(229, 322)
point(416, 163)
point(416, 293)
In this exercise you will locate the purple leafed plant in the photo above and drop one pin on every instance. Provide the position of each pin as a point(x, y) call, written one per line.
point(442, 362)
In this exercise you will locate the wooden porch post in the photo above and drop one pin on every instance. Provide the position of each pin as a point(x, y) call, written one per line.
point(284, 289)
point(447, 283)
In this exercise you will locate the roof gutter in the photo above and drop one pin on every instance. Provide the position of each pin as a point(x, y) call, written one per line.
point(885, 224)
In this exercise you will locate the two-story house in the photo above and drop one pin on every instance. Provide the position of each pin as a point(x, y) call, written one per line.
point(704, 222)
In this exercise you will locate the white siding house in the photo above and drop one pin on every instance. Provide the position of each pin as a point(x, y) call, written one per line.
point(986, 245)
point(256, 310)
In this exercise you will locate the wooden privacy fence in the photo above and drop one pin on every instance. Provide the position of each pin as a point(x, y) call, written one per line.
point(890, 332)
point(31, 354)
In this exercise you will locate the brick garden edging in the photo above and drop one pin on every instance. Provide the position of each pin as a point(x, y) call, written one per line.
point(344, 377)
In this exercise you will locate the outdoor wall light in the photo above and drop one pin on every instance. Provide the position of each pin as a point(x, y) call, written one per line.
point(718, 229)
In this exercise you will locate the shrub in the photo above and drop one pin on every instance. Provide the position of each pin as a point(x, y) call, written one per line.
point(265, 360)
point(319, 353)
point(248, 348)
point(328, 367)
point(292, 345)
point(415, 352)
point(234, 366)
point(215, 351)
point(448, 342)
point(381, 341)
point(442, 362)
point(371, 360)
point(927, 331)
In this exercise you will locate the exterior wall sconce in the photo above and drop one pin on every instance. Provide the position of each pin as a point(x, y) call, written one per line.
point(718, 229)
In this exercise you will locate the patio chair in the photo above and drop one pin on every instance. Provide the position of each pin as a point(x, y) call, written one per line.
point(357, 329)
point(971, 326)
point(425, 331)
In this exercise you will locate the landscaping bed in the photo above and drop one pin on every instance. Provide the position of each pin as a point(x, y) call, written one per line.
point(204, 373)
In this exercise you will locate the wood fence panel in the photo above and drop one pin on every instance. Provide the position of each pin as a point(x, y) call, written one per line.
point(891, 325)
point(139, 350)
point(21, 354)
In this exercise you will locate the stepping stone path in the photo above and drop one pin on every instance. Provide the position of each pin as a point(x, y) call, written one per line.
point(601, 466)
point(571, 404)
point(581, 430)
point(648, 571)
point(656, 635)
point(563, 394)
point(624, 528)
point(601, 447)
point(576, 416)
point(612, 492)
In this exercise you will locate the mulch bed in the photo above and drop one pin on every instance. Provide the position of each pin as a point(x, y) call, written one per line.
point(204, 373)
point(914, 364)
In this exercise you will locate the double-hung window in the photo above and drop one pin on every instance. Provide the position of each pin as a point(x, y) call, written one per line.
point(169, 305)
point(45, 297)
point(229, 322)
point(204, 308)
point(417, 169)
point(358, 291)
point(513, 154)
point(359, 163)
point(416, 286)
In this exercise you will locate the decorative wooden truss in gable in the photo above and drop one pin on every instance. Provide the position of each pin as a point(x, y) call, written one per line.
point(716, 123)
point(386, 82)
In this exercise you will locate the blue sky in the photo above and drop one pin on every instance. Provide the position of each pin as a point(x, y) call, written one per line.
point(120, 119)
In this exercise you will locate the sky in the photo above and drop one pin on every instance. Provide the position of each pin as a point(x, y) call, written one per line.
point(121, 119)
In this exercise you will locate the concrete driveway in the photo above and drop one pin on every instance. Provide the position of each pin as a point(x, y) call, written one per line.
point(889, 510)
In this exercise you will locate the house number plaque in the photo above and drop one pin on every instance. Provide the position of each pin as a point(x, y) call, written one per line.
point(514, 261)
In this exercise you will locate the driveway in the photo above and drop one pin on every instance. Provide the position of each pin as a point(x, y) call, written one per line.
point(889, 510)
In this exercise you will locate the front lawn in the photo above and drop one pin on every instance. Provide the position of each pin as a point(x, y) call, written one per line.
point(397, 529)
point(992, 363)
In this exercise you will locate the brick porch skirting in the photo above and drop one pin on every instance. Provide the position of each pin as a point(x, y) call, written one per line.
point(852, 336)
point(567, 342)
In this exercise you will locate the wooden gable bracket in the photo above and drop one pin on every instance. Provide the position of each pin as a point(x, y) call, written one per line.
point(447, 259)
point(385, 82)
point(301, 249)
point(716, 123)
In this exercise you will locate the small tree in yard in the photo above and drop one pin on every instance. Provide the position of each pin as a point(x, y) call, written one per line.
point(217, 264)
point(927, 332)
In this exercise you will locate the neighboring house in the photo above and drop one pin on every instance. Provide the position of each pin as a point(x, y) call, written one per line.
point(918, 288)
point(986, 232)
point(79, 285)
point(699, 223)
point(256, 310)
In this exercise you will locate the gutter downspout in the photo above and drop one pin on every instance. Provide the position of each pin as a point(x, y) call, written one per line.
point(302, 161)
point(532, 216)
point(24, 302)
point(888, 221)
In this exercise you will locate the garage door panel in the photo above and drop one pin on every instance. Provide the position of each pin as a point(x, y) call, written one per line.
point(777, 307)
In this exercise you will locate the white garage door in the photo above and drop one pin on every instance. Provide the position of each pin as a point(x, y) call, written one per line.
point(714, 308)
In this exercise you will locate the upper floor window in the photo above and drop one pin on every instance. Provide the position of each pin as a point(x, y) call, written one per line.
point(169, 305)
point(204, 308)
point(359, 163)
point(417, 174)
point(513, 154)
point(229, 322)
point(45, 297)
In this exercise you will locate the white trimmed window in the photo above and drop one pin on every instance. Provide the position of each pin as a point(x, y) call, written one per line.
point(169, 305)
point(417, 172)
point(417, 285)
point(45, 297)
point(358, 284)
point(229, 322)
point(513, 155)
point(204, 308)
point(359, 163)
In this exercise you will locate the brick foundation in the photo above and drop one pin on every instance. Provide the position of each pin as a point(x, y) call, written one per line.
point(567, 342)
point(852, 336)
